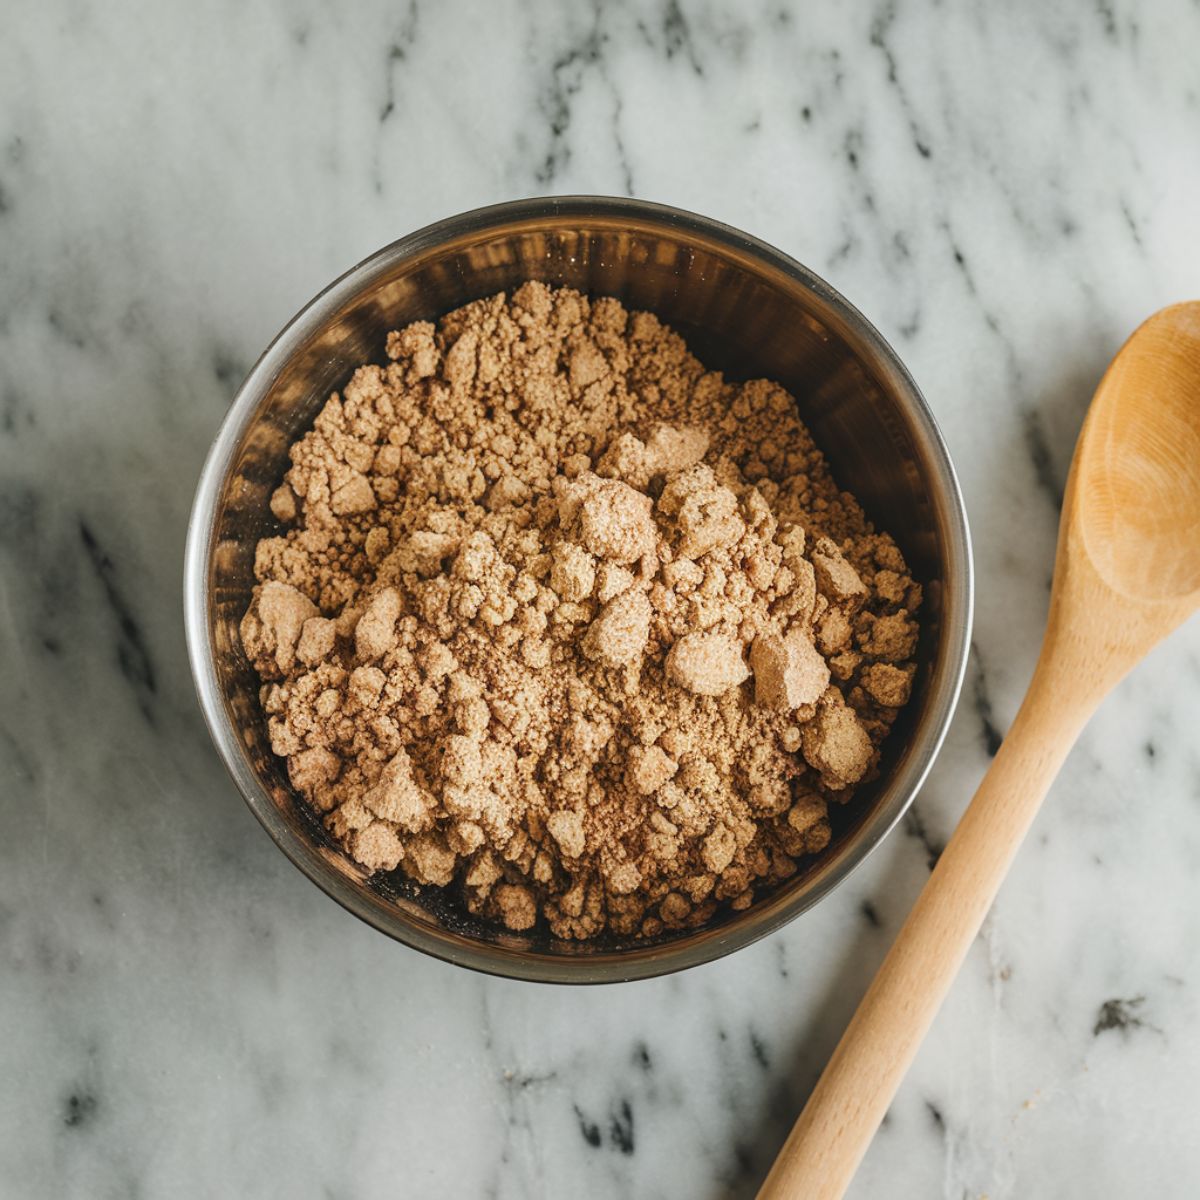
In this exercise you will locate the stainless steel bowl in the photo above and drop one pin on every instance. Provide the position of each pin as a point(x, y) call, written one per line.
point(744, 308)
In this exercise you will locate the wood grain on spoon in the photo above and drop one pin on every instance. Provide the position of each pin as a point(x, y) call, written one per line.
point(1126, 574)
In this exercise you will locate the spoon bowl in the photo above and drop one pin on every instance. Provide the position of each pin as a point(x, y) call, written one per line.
point(1128, 565)
point(1137, 466)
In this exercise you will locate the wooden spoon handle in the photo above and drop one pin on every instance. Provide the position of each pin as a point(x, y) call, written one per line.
point(826, 1144)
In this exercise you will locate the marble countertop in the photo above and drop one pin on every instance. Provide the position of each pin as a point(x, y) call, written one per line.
point(1005, 190)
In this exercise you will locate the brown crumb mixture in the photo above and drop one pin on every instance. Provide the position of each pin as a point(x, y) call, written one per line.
point(567, 620)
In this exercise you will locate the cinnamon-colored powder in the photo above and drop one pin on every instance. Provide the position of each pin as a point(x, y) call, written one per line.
point(572, 624)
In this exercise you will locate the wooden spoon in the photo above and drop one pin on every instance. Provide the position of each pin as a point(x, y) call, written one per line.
point(1126, 574)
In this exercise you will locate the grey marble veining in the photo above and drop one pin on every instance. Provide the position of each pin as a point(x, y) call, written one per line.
point(1005, 190)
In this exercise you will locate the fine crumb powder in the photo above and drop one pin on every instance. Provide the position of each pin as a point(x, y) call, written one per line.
point(571, 623)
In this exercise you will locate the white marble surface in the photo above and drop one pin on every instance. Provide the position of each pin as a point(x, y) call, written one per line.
point(1006, 190)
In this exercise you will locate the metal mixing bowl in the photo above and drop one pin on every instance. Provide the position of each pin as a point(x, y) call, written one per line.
point(744, 308)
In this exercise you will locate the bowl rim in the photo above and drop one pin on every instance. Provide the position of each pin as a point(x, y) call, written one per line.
point(610, 966)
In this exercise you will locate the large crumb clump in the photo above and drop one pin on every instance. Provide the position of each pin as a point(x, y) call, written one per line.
point(567, 621)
